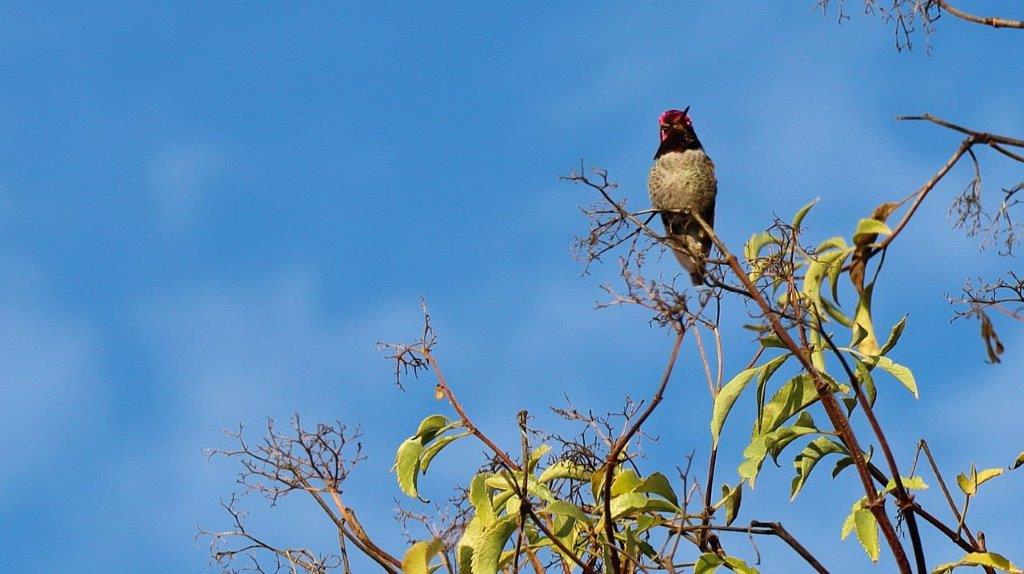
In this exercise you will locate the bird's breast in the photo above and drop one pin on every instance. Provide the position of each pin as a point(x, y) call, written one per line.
point(682, 180)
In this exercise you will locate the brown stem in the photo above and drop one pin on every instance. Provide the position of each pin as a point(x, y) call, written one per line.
point(620, 445)
point(923, 191)
point(356, 535)
point(835, 413)
point(945, 491)
point(903, 497)
point(993, 21)
point(706, 514)
point(502, 457)
point(762, 529)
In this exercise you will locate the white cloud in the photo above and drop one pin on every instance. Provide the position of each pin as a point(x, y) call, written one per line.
point(48, 368)
point(180, 174)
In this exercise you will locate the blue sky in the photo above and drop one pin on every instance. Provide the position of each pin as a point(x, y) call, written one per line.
point(210, 214)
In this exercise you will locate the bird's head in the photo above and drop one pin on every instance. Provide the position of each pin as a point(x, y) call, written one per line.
point(676, 124)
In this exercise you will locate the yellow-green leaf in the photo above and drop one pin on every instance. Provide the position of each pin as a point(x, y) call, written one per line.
point(430, 427)
point(470, 540)
point(708, 563)
point(727, 398)
point(752, 248)
point(487, 554)
point(866, 227)
point(625, 481)
point(563, 508)
point(867, 532)
point(731, 499)
point(479, 497)
point(799, 217)
point(628, 503)
point(431, 451)
point(909, 483)
point(990, 559)
point(563, 469)
point(792, 397)
point(894, 336)
point(535, 456)
point(902, 374)
point(658, 483)
point(864, 331)
point(970, 482)
point(988, 474)
point(739, 566)
point(1018, 461)
point(417, 558)
point(407, 465)
point(808, 459)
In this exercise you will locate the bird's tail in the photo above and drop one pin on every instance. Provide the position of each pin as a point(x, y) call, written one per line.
point(692, 265)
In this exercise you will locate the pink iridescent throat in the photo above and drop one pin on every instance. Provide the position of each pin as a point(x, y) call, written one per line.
point(672, 117)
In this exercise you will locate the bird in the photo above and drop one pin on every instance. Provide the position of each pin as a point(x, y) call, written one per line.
point(682, 182)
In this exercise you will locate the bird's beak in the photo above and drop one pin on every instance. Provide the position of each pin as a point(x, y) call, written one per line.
point(685, 110)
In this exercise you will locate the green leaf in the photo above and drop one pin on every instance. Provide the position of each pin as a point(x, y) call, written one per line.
point(836, 313)
point(431, 451)
point(659, 505)
point(792, 397)
point(970, 482)
point(727, 398)
point(752, 248)
point(902, 374)
point(535, 456)
point(480, 498)
point(864, 332)
point(867, 383)
point(990, 559)
point(849, 524)
point(799, 217)
point(739, 566)
point(487, 554)
point(628, 503)
point(564, 469)
point(808, 459)
point(909, 483)
point(731, 500)
point(988, 474)
point(835, 268)
point(1018, 462)
point(658, 483)
point(780, 438)
point(867, 532)
point(708, 563)
point(894, 336)
point(772, 341)
point(625, 481)
point(753, 458)
point(563, 508)
point(505, 481)
point(868, 227)
point(407, 465)
point(768, 369)
point(430, 427)
point(967, 486)
point(417, 558)
point(841, 465)
point(471, 538)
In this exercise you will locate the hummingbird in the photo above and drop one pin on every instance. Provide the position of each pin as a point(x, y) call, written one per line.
point(681, 183)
